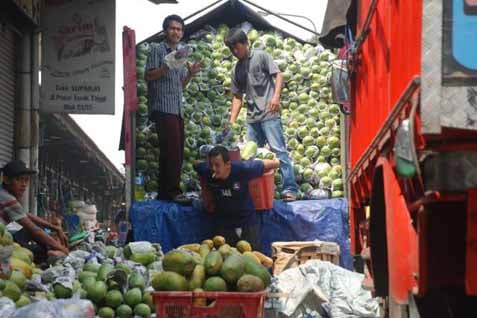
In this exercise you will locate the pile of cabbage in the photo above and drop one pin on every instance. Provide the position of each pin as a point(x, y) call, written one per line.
point(311, 121)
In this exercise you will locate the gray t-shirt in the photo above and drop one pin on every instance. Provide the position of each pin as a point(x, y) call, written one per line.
point(10, 209)
point(260, 85)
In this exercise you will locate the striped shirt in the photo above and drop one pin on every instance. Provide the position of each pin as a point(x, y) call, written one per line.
point(10, 209)
point(165, 93)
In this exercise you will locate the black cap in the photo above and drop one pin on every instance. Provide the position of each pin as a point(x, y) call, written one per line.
point(16, 168)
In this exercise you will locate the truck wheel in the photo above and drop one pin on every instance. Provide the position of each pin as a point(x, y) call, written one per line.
point(396, 310)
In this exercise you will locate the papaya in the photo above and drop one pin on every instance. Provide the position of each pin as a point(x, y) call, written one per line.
point(191, 247)
point(24, 254)
point(169, 281)
point(213, 262)
point(244, 246)
point(218, 241)
point(17, 264)
point(264, 260)
point(197, 258)
point(252, 255)
point(225, 250)
point(204, 250)
point(198, 277)
point(143, 259)
point(199, 301)
point(215, 283)
point(252, 268)
point(250, 283)
point(232, 269)
point(210, 243)
point(178, 261)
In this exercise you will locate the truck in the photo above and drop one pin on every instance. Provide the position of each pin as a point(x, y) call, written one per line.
point(412, 152)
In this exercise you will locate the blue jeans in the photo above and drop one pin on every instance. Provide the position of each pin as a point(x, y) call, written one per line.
point(271, 132)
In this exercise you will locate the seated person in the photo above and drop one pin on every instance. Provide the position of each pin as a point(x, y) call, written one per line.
point(16, 177)
point(235, 215)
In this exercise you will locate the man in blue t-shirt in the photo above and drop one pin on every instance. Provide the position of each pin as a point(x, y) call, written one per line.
point(228, 181)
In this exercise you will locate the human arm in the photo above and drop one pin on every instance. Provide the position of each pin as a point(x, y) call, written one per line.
point(45, 224)
point(270, 164)
point(274, 104)
point(201, 167)
point(41, 236)
point(192, 70)
point(155, 66)
point(235, 109)
point(272, 68)
point(156, 73)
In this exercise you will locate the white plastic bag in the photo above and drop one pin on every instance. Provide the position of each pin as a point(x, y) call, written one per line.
point(61, 308)
point(177, 58)
point(7, 307)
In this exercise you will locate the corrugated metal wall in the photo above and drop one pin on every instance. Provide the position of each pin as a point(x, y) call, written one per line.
point(7, 93)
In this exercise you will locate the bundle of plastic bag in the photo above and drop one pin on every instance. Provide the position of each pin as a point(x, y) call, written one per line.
point(178, 58)
point(61, 308)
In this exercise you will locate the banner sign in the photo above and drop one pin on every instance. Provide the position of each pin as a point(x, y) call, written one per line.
point(78, 56)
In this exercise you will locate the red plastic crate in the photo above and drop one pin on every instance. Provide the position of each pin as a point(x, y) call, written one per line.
point(262, 190)
point(219, 305)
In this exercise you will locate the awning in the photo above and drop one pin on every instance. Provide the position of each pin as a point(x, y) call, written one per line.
point(339, 14)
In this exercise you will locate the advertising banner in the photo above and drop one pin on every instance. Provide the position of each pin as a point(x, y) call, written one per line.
point(78, 56)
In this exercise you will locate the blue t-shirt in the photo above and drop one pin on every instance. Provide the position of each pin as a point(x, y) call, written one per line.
point(233, 204)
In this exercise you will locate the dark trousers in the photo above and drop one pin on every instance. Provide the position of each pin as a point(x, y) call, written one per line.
point(171, 145)
point(250, 233)
point(25, 239)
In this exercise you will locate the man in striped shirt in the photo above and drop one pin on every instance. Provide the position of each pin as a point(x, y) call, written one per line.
point(165, 87)
point(16, 177)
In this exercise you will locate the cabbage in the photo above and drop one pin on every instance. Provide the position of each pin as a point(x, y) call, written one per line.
point(249, 150)
point(311, 121)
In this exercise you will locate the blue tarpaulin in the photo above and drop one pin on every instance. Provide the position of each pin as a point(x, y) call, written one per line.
point(172, 225)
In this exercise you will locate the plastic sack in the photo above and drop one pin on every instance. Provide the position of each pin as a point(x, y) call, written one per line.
point(317, 194)
point(61, 308)
point(142, 247)
point(177, 58)
point(325, 288)
point(76, 262)
point(51, 274)
point(7, 307)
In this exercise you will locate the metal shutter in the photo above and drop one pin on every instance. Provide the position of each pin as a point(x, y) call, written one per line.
point(7, 93)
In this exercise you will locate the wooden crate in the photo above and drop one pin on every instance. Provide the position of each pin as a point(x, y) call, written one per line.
point(291, 254)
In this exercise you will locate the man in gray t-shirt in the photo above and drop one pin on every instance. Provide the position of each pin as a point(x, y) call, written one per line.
point(257, 77)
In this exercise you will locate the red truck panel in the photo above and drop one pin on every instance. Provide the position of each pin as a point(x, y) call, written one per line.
point(390, 58)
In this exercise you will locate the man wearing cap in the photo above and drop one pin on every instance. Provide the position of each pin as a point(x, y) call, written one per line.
point(16, 177)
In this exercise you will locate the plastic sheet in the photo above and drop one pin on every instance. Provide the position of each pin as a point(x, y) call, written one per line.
point(309, 220)
point(326, 289)
point(7, 307)
point(172, 225)
point(61, 308)
point(169, 224)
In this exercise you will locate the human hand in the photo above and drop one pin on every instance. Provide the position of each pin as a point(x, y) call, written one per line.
point(274, 104)
point(61, 236)
point(194, 68)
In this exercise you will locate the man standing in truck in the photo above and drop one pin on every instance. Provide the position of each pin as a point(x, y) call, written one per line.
point(167, 77)
point(257, 77)
point(235, 215)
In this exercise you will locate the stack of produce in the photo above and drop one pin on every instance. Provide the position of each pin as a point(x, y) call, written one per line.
point(19, 268)
point(213, 265)
point(116, 286)
point(310, 119)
